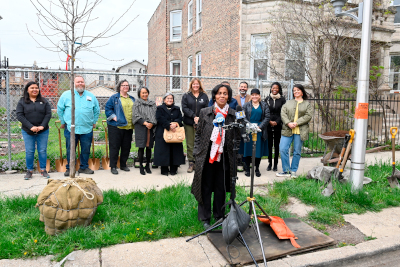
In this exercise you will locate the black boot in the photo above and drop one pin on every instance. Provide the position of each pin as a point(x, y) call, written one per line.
point(275, 169)
point(247, 171)
point(142, 172)
point(148, 170)
point(269, 166)
point(257, 171)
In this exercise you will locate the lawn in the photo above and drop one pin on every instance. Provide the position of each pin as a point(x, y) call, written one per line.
point(329, 210)
point(122, 218)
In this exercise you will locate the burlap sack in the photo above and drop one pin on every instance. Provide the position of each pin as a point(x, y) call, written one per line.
point(68, 203)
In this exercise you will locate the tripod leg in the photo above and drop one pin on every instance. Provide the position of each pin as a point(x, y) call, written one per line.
point(215, 225)
point(263, 211)
point(259, 237)
point(248, 249)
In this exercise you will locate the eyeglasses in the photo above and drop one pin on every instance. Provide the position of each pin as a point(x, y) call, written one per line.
point(124, 85)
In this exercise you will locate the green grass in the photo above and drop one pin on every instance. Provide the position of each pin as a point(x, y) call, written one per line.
point(329, 210)
point(122, 218)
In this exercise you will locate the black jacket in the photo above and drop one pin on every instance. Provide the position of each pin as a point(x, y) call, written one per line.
point(248, 106)
point(34, 114)
point(162, 150)
point(275, 109)
point(191, 106)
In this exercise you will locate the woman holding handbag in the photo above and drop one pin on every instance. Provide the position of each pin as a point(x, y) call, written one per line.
point(168, 155)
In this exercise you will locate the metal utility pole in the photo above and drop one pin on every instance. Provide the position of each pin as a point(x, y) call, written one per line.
point(361, 114)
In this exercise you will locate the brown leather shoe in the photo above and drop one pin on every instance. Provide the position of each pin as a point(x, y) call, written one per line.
point(191, 167)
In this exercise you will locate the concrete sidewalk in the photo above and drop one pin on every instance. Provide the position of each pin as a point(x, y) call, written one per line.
point(200, 252)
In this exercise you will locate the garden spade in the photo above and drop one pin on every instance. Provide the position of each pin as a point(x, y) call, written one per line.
point(105, 160)
point(94, 163)
point(393, 182)
point(61, 164)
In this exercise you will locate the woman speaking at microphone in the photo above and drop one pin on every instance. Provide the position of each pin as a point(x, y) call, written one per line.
point(214, 156)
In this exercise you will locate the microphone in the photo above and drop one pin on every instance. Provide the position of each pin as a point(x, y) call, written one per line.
point(241, 118)
point(219, 122)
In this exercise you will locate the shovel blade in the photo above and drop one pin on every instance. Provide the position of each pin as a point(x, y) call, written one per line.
point(393, 182)
point(47, 166)
point(105, 163)
point(94, 164)
point(61, 165)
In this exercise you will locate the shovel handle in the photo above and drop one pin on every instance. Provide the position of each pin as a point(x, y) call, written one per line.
point(105, 132)
point(393, 132)
point(59, 138)
point(346, 155)
point(93, 147)
point(351, 133)
point(345, 142)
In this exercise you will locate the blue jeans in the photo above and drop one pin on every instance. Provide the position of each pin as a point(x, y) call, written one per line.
point(284, 147)
point(30, 144)
point(85, 141)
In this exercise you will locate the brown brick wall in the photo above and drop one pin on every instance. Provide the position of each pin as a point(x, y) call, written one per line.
point(218, 40)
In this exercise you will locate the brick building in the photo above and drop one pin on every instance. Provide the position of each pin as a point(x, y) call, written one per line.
point(223, 38)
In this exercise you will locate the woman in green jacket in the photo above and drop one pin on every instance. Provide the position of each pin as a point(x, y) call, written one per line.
point(295, 115)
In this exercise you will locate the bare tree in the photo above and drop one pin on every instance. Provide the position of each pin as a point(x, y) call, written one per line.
point(69, 20)
point(308, 43)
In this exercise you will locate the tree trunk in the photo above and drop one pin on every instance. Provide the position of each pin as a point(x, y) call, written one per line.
point(72, 135)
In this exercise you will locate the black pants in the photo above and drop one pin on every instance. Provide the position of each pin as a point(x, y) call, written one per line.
point(274, 138)
point(249, 159)
point(141, 154)
point(119, 139)
point(213, 181)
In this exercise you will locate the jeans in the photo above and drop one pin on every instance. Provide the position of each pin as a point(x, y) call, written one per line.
point(30, 143)
point(284, 147)
point(85, 141)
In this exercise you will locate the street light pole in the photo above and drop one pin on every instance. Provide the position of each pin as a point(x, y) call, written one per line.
point(361, 114)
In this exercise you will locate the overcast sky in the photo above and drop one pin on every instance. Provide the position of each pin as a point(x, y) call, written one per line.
point(21, 49)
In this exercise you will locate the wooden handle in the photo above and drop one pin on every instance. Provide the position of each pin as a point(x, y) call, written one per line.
point(93, 147)
point(105, 131)
point(345, 142)
point(59, 138)
point(346, 155)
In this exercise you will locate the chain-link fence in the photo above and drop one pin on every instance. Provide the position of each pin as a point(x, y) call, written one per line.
point(102, 84)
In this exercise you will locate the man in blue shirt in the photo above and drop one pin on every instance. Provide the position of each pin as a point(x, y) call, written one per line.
point(233, 104)
point(87, 112)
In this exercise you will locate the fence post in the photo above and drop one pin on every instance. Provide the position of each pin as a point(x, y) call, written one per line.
point(8, 118)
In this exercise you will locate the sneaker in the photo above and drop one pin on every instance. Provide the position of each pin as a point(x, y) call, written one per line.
point(85, 171)
point(45, 174)
point(283, 174)
point(66, 173)
point(191, 167)
point(28, 175)
point(293, 175)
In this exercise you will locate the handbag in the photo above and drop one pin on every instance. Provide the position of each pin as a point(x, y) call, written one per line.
point(174, 137)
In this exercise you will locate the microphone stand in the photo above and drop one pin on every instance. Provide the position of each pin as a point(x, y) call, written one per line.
point(251, 199)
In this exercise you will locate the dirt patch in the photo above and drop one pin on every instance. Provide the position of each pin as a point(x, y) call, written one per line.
point(340, 133)
point(345, 234)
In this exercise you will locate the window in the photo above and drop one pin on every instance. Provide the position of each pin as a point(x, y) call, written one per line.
point(101, 80)
point(190, 18)
point(176, 25)
point(190, 66)
point(295, 59)
point(17, 73)
point(198, 64)
point(175, 69)
point(199, 7)
point(396, 4)
point(130, 71)
point(109, 78)
point(134, 71)
point(259, 55)
point(26, 74)
point(133, 87)
point(394, 76)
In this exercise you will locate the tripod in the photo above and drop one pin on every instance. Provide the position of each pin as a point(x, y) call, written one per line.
point(251, 199)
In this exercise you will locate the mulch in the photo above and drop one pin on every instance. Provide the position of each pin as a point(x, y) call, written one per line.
point(340, 133)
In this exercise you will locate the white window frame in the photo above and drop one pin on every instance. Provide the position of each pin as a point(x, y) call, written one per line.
point(171, 72)
point(190, 68)
point(190, 18)
point(199, 9)
point(253, 38)
point(393, 5)
point(130, 71)
point(392, 74)
point(305, 58)
point(172, 27)
point(26, 75)
point(133, 71)
point(198, 60)
point(18, 73)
